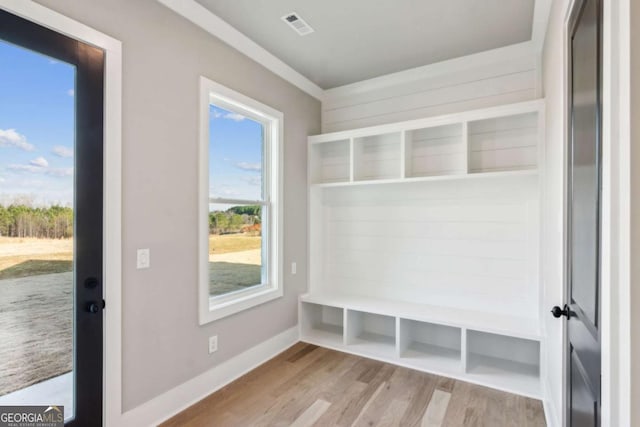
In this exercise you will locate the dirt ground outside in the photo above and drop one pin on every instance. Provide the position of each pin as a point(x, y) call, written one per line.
point(234, 271)
point(36, 320)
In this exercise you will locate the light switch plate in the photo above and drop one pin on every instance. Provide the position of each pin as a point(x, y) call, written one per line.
point(143, 259)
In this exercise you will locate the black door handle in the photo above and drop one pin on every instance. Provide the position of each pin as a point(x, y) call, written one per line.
point(558, 312)
point(93, 307)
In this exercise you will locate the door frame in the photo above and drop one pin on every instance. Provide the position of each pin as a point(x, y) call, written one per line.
point(112, 193)
point(615, 300)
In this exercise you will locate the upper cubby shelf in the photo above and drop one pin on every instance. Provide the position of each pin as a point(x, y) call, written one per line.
point(494, 142)
point(503, 143)
point(330, 161)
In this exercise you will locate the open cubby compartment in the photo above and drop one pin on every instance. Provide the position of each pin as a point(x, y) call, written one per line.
point(322, 323)
point(330, 161)
point(377, 157)
point(439, 150)
point(509, 363)
point(503, 143)
point(371, 333)
point(430, 345)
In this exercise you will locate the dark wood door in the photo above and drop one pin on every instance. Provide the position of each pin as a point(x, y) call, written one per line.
point(584, 196)
point(31, 46)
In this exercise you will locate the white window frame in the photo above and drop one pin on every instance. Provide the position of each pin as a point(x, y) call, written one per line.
point(217, 307)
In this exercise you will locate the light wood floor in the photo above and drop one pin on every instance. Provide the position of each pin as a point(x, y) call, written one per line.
point(313, 386)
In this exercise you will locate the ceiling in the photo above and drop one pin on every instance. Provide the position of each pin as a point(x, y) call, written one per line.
point(355, 40)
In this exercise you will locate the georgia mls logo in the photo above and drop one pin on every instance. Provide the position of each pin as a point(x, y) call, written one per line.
point(31, 416)
point(54, 408)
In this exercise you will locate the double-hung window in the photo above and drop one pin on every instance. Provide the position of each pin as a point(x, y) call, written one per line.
point(240, 202)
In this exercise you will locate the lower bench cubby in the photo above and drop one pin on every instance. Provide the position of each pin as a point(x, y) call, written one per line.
point(322, 324)
point(430, 346)
point(371, 333)
point(504, 362)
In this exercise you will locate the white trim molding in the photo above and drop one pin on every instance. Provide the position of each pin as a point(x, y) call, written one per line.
point(617, 402)
point(208, 21)
point(112, 246)
point(551, 414)
point(181, 397)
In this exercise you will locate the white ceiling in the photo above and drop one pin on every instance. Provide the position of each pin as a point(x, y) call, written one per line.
point(356, 40)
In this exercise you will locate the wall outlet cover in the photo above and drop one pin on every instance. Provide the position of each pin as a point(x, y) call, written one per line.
point(213, 344)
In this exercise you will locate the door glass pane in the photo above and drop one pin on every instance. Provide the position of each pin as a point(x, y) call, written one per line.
point(37, 127)
point(235, 248)
point(584, 172)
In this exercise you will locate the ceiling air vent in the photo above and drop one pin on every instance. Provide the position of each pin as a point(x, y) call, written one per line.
point(297, 23)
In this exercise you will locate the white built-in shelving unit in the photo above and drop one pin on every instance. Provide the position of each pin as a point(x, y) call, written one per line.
point(424, 244)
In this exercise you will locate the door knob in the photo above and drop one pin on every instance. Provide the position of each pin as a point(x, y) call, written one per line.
point(93, 307)
point(558, 312)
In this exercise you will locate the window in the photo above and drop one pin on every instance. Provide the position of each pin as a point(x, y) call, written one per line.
point(240, 202)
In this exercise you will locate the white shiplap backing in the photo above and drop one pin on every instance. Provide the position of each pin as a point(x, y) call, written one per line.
point(467, 245)
point(501, 82)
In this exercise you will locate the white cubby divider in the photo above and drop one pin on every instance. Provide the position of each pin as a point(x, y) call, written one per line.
point(424, 245)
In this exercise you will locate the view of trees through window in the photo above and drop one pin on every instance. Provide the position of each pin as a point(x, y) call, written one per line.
point(24, 220)
point(238, 219)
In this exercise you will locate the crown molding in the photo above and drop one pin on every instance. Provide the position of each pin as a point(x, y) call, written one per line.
point(541, 12)
point(214, 25)
point(219, 28)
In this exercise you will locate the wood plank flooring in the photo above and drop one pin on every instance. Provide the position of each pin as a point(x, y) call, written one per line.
point(308, 386)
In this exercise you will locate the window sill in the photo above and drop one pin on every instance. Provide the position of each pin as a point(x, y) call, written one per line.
point(228, 305)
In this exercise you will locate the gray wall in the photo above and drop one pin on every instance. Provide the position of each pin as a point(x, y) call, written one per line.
point(163, 56)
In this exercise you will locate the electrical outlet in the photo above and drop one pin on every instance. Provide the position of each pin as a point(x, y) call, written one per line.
point(213, 344)
point(294, 267)
point(143, 259)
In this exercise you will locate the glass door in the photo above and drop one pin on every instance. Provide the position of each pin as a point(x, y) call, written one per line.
point(51, 180)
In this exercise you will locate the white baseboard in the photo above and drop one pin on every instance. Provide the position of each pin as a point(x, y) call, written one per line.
point(166, 405)
point(551, 413)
